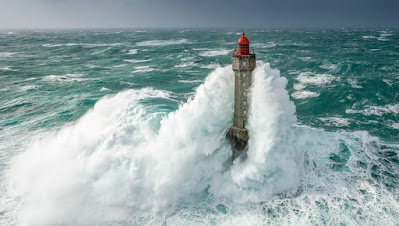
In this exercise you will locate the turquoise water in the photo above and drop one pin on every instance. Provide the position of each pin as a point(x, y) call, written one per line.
point(127, 127)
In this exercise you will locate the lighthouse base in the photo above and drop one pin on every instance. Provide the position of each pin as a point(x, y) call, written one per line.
point(238, 138)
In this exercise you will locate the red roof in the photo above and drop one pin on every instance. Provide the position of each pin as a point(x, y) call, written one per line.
point(243, 40)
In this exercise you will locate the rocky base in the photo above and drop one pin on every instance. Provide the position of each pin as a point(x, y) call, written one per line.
point(238, 138)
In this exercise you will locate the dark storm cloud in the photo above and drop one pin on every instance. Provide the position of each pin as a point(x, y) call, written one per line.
point(202, 13)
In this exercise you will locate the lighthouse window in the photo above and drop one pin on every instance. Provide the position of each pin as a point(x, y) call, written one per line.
point(245, 112)
point(244, 83)
point(245, 103)
point(243, 75)
point(244, 63)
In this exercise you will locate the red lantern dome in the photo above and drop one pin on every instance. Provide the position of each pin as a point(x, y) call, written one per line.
point(243, 46)
point(243, 40)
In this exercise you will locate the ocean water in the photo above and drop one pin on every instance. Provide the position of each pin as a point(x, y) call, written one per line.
point(127, 127)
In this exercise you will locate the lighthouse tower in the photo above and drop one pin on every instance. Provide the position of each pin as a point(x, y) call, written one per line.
point(243, 64)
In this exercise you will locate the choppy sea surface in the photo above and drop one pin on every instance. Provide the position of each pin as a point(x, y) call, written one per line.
point(127, 127)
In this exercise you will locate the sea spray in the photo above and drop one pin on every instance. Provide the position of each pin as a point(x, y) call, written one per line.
point(271, 118)
point(129, 163)
point(113, 159)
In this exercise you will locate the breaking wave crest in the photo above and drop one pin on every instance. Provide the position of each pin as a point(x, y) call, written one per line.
point(126, 157)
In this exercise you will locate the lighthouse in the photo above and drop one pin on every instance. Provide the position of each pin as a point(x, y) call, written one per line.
point(243, 64)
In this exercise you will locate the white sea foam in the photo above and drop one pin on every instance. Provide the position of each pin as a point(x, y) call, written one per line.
point(264, 45)
point(386, 34)
point(97, 66)
point(384, 39)
point(7, 54)
point(125, 159)
point(389, 82)
point(64, 78)
point(137, 61)
point(201, 49)
point(103, 89)
point(299, 86)
point(112, 158)
point(395, 126)
point(335, 121)
point(187, 64)
point(305, 58)
point(140, 69)
point(383, 36)
point(376, 110)
point(328, 66)
point(211, 66)
point(26, 88)
point(270, 121)
point(163, 42)
point(354, 83)
point(119, 65)
point(99, 52)
point(303, 94)
point(51, 45)
point(187, 59)
point(191, 81)
point(212, 53)
point(309, 78)
point(133, 51)
point(7, 69)
point(374, 50)
point(368, 37)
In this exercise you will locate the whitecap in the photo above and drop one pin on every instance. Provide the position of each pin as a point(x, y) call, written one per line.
point(188, 64)
point(310, 78)
point(132, 51)
point(368, 37)
point(376, 110)
point(140, 69)
point(299, 86)
point(137, 61)
point(386, 35)
point(335, 121)
point(395, 126)
point(212, 53)
point(163, 42)
point(27, 88)
point(211, 66)
point(389, 82)
point(191, 81)
point(7, 69)
point(328, 66)
point(305, 58)
point(64, 78)
point(52, 45)
point(354, 83)
point(187, 59)
point(119, 65)
point(264, 45)
point(7, 54)
point(304, 94)
point(382, 39)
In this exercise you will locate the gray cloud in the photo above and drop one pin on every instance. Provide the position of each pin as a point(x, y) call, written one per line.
point(190, 13)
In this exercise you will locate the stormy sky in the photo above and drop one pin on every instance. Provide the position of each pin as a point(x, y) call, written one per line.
point(197, 13)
